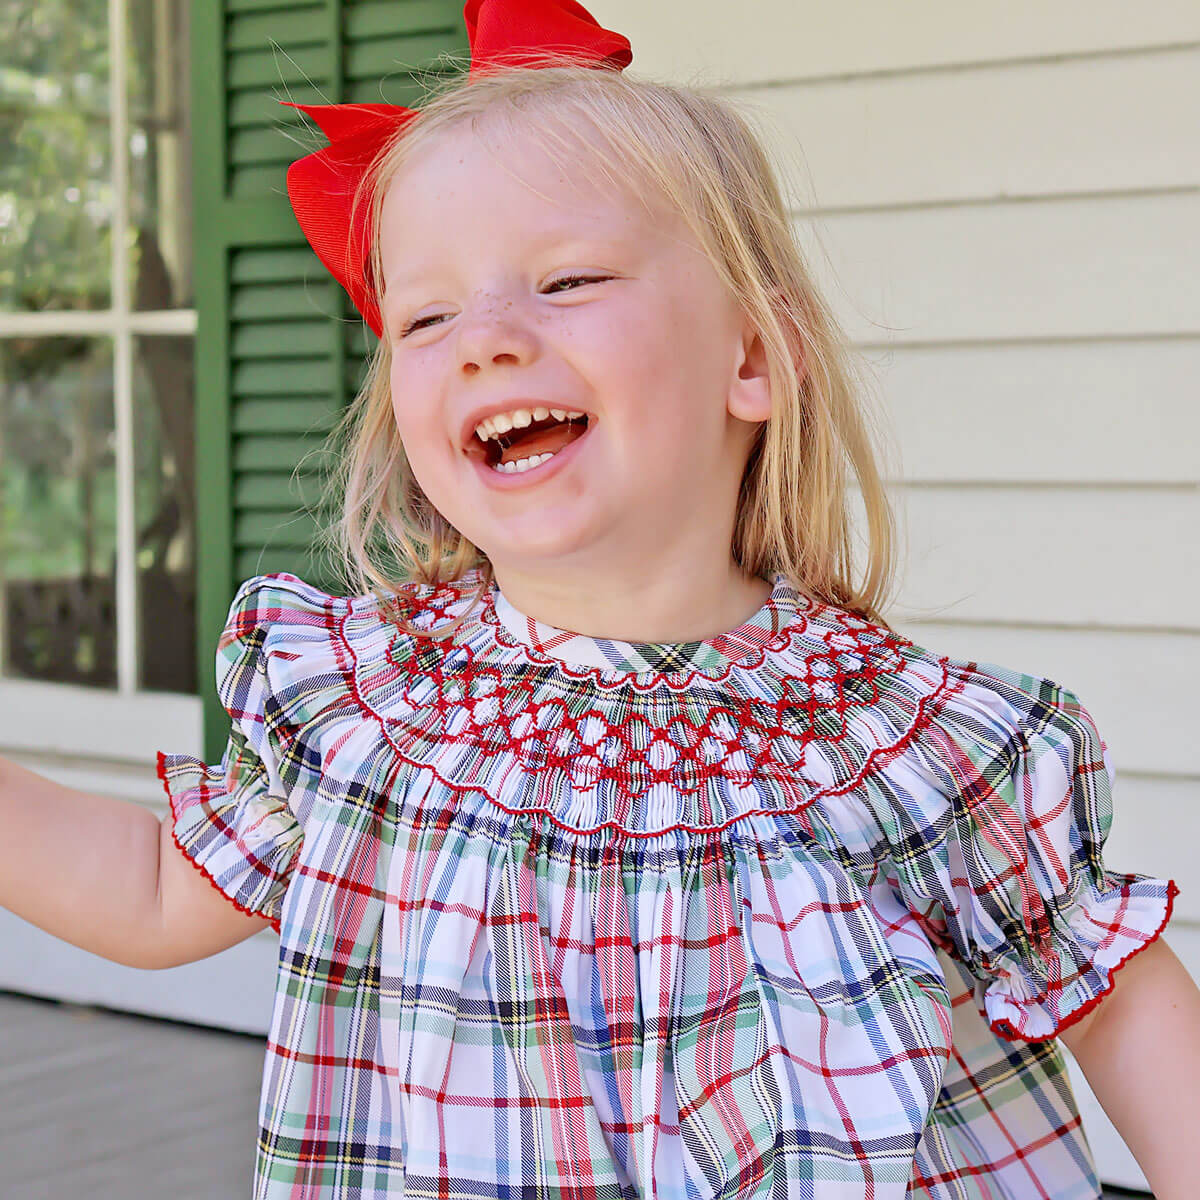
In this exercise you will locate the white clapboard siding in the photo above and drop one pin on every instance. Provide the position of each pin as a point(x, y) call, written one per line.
point(1039, 128)
point(1108, 411)
point(782, 41)
point(1040, 555)
point(1093, 267)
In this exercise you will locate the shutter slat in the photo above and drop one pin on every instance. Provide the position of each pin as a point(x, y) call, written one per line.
point(296, 530)
point(313, 299)
point(276, 490)
point(381, 19)
point(268, 68)
point(283, 378)
point(316, 415)
point(279, 338)
point(291, 27)
point(260, 106)
point(241, 6)
point(277, 452)
point(270, 265)
point(376, 59)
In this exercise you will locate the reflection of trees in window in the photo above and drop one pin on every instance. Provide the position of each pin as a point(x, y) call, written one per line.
point(56, 185)
point(59, 460)
point(59, 470)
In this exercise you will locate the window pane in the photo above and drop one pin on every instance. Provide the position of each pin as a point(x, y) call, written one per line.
point(55, 163)
point(58, 471)
point(160, 180)
point(164, 453)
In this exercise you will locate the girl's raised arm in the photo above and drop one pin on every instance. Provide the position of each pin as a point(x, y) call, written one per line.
point(105, 875)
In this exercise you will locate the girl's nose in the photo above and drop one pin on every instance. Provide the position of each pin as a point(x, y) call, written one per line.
point(495, 336)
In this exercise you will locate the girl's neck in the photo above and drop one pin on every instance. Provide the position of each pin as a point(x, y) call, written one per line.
point(659, 606)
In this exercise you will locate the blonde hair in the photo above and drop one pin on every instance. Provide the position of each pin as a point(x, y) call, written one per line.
point(696, 149)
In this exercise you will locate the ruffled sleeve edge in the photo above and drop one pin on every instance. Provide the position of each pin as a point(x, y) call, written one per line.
point(1024, 1013)
point(190, 852)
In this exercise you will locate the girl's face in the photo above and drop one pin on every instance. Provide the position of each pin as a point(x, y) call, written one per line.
point(546, 291)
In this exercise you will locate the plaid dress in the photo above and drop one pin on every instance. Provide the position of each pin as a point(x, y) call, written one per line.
point(796, 911)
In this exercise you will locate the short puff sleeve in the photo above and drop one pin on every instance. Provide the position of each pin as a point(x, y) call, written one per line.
point(233, 820)
point(995, 823)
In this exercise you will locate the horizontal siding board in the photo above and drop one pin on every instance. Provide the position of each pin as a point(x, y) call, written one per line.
point(1044, 555)
point(1138, 686)
point(1156, 822)
point(774, 40)
point(1110, 411)
point(1092, 267)
point(1030, 129)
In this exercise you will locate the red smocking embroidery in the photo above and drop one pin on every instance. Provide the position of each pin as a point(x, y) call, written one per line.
point(482, 712)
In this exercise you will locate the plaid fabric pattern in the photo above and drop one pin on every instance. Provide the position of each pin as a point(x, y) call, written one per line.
point(794, 911)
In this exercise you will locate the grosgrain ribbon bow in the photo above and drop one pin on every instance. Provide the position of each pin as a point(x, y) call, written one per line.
point(321, 185)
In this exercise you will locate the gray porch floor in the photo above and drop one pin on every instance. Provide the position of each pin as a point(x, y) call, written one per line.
point(110, 1106)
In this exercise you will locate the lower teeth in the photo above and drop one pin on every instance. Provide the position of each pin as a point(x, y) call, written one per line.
point(523, 464)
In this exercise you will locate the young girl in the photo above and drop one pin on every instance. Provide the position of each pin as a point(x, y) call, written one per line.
point(617, 845)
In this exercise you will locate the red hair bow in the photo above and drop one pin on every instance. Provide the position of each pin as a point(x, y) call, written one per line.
point(321, 185)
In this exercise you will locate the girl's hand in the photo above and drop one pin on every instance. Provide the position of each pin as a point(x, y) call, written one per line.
point(105, 875)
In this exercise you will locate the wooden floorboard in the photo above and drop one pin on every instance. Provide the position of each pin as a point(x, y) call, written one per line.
point(108, 1106)
point(111, 1106)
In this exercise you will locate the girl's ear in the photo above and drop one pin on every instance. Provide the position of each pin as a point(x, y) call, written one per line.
point(750, 392)
point(750, 395)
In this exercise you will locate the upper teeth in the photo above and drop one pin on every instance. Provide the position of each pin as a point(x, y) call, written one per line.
point(519, 418)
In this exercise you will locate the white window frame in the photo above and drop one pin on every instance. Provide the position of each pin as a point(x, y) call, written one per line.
point(122, 725)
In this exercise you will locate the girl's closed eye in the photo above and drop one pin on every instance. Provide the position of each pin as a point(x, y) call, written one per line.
point(420, 322)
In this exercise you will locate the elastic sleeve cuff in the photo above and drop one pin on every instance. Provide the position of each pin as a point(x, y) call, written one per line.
point(1081, 960)
point(244, 842)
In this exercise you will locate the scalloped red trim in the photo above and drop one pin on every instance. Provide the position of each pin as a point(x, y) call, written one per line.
point(162, 774)
point(1005, 1028)
point(927, 707)
point(610, 678)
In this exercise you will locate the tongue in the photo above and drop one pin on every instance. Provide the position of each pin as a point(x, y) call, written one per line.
point(529, 442)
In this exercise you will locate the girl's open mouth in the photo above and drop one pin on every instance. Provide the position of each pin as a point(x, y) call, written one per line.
point(532, 451)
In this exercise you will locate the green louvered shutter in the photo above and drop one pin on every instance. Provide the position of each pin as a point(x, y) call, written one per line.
point(279, 348)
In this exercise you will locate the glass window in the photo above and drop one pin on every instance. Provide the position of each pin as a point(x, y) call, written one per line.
point(56, 171)
point(97, 476)
point(58, 471)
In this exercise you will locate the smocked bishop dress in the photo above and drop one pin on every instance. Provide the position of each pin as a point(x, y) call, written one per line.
point(796, 911)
